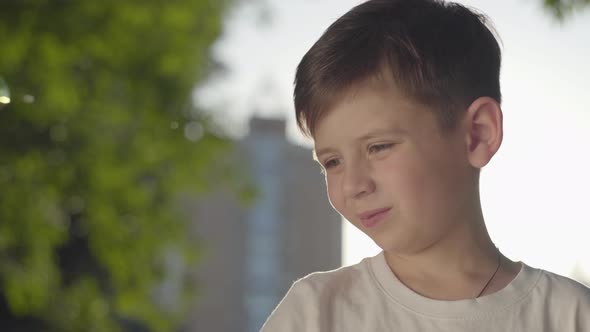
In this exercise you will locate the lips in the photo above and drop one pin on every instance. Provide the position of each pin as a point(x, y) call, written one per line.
point(373, 217)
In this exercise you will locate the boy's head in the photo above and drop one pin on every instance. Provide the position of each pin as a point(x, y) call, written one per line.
point(439, 54)
point(402, 100)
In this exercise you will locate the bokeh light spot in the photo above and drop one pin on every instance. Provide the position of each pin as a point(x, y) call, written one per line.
point(193, 131)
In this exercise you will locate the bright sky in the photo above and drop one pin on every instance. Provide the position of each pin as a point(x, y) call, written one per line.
point(535, 192)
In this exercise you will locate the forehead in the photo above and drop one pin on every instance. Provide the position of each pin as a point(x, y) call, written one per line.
point(367, 109)
point(334, 94)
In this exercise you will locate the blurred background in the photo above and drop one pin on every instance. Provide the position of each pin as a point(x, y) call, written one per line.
point(152, 178)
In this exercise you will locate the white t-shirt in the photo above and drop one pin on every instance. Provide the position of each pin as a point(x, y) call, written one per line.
point(368, 297)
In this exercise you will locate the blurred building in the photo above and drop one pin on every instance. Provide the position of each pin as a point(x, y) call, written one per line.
point(253, 253)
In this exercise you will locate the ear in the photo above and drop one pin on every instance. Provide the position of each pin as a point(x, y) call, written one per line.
point(484, 133)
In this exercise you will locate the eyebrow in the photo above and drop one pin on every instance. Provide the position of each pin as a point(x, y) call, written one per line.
point(365, 137)
point(318, 153)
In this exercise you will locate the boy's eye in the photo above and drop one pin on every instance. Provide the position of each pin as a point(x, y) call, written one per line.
point(379, 147)
point(331, 163)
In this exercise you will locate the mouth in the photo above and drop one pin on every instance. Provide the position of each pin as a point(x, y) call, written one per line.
point(372, 218)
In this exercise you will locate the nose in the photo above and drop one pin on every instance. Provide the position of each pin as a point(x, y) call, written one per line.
point(358, 181)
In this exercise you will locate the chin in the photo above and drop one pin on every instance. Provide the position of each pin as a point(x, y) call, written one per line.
point(396, 243)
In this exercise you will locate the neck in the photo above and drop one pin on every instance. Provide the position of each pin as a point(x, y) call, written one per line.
point(457, 266)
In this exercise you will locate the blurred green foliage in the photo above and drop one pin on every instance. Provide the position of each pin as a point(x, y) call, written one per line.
point(563, 8)
point(98, 141)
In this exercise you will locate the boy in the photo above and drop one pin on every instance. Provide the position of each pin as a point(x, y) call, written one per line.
point(402, 100)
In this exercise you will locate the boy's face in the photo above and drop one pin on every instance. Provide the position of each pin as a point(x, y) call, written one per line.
point(391, 172)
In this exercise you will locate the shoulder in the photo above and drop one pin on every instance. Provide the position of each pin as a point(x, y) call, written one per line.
point(564, 284)
point(299, 310)
point(561, 288)
point(564, 302)
point(318, 286)
point(338, 280)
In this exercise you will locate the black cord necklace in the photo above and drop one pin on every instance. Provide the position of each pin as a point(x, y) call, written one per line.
point(493, 275)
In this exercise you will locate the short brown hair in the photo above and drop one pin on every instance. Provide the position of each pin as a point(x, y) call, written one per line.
point(438, 53)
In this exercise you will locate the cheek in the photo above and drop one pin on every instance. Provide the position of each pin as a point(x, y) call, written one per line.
point(400, 177)
point(427, 192)
point(334, 194)
point(414, 186)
